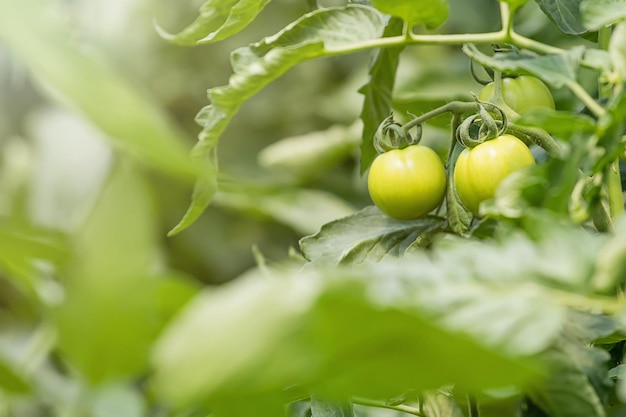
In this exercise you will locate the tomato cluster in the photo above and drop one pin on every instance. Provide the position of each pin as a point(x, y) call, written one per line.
point(411, 182)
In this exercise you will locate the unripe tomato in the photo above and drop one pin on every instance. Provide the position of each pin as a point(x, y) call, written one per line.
point(522, 93)
point(407, 183)
point(480, 170)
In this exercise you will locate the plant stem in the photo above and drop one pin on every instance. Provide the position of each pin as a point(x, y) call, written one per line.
point(539, 137)
point(472, 406)
point(584, 96)
point(381, 404)
point(455, 107)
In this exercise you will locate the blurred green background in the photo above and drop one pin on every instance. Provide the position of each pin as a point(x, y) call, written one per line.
point(96, 118)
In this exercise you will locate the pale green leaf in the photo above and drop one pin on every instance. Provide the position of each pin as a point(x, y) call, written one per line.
point(218, 20)
point(598, 13)
point(617, 49)
point(324, 32)
point(327, 408)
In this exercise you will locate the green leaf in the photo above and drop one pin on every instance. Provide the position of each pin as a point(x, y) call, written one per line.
point(324, 32)
point(326, 408)
point(262, 334)
point(558, 123)
point(307, 156)
point(367, 235)
point(515, 3)
point(301, 209)
point(130, 118)
point(565, 14)
point(555, 69)
point(218, 19)
point(110, 314)
point(431, 13)
point(377, 92)
point(598, 13)
point(11, 381)
point(617, 50)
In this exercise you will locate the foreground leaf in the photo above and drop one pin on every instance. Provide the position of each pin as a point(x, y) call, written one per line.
point(218, 20)
point(565, 14)
point(431, 13)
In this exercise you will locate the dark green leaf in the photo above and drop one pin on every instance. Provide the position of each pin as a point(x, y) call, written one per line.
point(326, 408)
point(598, 13)
point(431, 13)
point(565, 14)
point(377, 92)
point(218, 20)
point(558, 123)
point(555, 69)
point(367, 235)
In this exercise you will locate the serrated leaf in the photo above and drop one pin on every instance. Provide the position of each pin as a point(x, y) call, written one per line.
point(598, 13)
point(555, 69)
point(324, 32)
point(377, 92)
point(565, 14)
point(130, 119)
point(218, 20)
point(431, 13)
point(367, 235)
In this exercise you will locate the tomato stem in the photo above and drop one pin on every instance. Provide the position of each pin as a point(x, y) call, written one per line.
point(539, 137)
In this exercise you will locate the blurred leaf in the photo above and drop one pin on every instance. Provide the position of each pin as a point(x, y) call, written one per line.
point(262, 334)
point(118, 401)
point(377, 92)
point(565, 14)
point(301, 209)
point(368, 235)
point(439, 404)
point(617, 50)
point(108, 320)
point(326, 408)
point(515, 3)
point(309, 155)
point(121, 110)
point(431, 13)
point(598, 13)
point(568, 392)
point(555, 69)
point(324, 32)
point(218, 19)
point(11, 381)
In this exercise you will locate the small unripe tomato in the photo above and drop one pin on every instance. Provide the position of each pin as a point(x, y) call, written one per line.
point(407, 183)
point(479, 171)
point(521, 94)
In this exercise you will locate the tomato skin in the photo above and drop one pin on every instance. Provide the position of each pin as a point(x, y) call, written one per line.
point(479, 171)
point(407, 183)
point(521, 94)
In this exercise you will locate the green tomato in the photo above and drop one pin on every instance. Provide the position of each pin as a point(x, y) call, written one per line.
point(407, 183)
point(480, 170)
point(521, 94)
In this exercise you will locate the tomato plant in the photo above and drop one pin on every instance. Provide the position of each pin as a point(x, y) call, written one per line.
point(407, 183)
point(521, 94)
point(480, 170)
point(471, 292)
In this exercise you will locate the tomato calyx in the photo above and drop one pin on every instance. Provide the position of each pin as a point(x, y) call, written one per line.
point(392, 135)
point(482, 126)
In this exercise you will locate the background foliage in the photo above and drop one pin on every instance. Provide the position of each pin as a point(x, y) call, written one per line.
point(335, 309)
